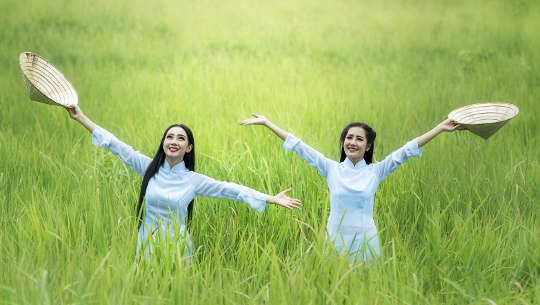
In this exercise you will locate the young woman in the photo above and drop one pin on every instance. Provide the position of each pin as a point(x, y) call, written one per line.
point(170, 184)
point(354, 180)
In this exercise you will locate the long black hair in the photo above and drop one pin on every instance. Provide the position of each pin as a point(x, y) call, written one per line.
point(157, 162)
point(370, 135)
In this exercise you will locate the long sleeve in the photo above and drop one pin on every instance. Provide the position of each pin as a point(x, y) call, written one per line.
point(207, 186)
point(307, 153)
point(137, 161)
point(398, 157)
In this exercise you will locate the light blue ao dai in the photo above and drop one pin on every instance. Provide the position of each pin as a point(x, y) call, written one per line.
point(169, 193)
point(352, 189)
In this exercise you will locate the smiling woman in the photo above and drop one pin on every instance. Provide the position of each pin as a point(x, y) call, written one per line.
point(358, 140)
point(353, 181)
point(170, 184)
point(176, 144)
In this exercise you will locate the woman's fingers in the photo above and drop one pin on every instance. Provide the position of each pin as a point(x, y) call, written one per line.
point(458, 126)
point(74, 111)
point(295, 201)
point(451, 125)
point(70, 110)
point(296, 204)
point(256, 120)
point(286, 201)
point(292, 203)
point(248, 121)
point(291, 206)
point(455, 126)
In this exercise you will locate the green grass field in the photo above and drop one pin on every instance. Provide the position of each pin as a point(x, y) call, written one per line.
point(460, 225)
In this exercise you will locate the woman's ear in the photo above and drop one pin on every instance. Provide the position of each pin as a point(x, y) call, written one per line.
point(368, 147)
point(189, 148)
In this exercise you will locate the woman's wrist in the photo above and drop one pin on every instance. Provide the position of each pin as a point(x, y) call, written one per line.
point(81, 118)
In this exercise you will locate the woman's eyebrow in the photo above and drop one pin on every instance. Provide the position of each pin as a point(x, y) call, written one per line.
point(176, 134)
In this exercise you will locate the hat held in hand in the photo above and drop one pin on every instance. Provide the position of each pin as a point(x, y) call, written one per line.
point(44, 82)
point(484, 119)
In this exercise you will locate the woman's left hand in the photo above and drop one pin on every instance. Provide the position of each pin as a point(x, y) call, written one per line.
point(446, 125)
point(285, 201)
point(450, 125)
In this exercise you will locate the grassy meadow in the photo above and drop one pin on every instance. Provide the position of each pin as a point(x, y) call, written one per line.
point(460, 225)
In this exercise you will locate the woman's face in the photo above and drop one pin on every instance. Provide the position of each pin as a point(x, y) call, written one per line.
point(355, 144)
point(176, 144)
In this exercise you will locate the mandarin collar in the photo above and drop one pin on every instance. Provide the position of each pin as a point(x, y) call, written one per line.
point(348, 163)
point(180, 167)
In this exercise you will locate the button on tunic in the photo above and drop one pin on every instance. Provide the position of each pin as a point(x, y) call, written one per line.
point(169, 193)
point(352, 191)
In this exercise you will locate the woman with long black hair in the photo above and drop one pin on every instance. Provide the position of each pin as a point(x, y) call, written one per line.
point(353, 181)
point(170, 184)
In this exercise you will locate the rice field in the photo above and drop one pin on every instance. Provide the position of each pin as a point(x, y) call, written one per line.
point(460, 225)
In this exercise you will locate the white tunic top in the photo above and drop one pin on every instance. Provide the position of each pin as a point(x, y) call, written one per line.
point(352, 190)
point(169, 193)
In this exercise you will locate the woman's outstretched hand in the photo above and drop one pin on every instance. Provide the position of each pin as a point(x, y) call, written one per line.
point(446, 125)
point(257, 120)
point(285, 201)
point(75, 112)
point(450, 125)
point(261, 120)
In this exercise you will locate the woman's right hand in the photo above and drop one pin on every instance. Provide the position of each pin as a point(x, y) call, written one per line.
point(257, 120)
point(75, 112)
point(285, 201)
point(261, 120)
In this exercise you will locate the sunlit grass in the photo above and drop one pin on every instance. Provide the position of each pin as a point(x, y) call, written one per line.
point(457, 226)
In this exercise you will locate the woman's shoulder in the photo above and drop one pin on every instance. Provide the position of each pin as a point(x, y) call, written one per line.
point(195, 176)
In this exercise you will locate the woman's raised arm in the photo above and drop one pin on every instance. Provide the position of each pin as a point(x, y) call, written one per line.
point(210, 187)
point(304, 151)
point(102, 138)
point(261, 120)
point(412, 148)
point(76, 113)
point(446, 125)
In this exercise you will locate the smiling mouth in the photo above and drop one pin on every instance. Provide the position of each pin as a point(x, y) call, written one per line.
point(350, 149)
point(173, 149)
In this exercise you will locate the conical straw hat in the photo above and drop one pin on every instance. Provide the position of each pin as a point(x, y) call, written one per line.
point(44, 82)
point(484, 119)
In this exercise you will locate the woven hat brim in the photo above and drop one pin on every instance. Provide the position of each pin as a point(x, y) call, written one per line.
point(485, 119)
point(44, 83)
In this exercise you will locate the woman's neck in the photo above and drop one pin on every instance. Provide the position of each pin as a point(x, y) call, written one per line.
point(354, 161)
point(173, 161)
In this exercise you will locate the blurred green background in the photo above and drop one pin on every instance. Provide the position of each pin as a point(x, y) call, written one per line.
point(457, 226)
